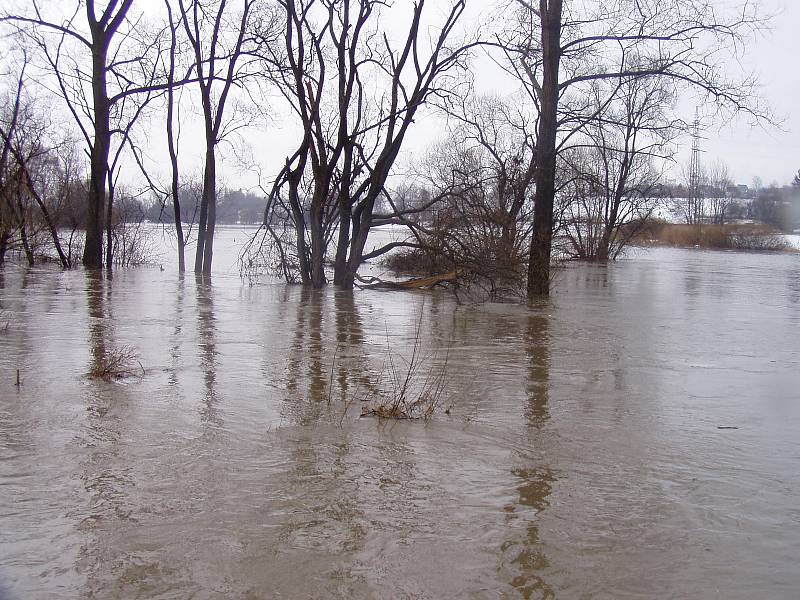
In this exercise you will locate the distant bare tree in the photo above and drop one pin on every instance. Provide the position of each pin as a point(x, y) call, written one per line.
point(688, 203)
point(611, 177)
point(720, 200)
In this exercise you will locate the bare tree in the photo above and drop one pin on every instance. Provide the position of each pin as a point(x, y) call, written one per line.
point(23, 158)
point(172, 140)
point(557, 48)
point(475, 187)
point(720, 200)
point(610, 173)
point(505, 136)
point(103, 97)
point(224, 46)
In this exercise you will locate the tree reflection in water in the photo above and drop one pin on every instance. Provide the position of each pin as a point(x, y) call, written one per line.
point(95, 301)
point(327, 370)
point(175, 347)
point(206, 336)
point(535, 482)
point(537, 350)
point(106, 474)
point(304, 406)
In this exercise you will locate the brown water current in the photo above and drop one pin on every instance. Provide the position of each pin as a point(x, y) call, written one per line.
point(582, 456)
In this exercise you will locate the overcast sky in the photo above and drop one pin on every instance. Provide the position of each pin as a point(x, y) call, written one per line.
point(770, 153)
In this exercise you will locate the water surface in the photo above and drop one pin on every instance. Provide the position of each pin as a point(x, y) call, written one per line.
point(582, 456)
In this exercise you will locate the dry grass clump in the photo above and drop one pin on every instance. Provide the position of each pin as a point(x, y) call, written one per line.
point(411, 391)
point(118, 363)
point(737, 236)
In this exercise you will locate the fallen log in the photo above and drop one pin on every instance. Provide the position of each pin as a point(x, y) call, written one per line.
point(410, 284)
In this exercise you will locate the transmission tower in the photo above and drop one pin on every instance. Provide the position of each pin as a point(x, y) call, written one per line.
point(695, 195)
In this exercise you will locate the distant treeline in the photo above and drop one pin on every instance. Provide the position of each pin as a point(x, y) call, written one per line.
point(233, 207)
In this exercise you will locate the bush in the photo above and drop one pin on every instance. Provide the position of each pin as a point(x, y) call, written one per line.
point(487, 265)
point(759, 242)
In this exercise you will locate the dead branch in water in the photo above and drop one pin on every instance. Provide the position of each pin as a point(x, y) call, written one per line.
point(410, 284)
point(413, 392)
point(118, 363)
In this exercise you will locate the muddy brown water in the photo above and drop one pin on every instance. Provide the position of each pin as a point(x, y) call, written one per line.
point(583, 456)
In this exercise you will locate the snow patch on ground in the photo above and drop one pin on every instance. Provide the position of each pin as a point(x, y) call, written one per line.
point(793, 239)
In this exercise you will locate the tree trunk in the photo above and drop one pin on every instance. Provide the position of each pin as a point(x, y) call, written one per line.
point(317, 250)
point(65, 262)
point(340, 266)
point(604, 247)
point(358, 243)
point(109, 224)
point(299, 227)
point(210, 193)
point(93, 248)
point(542, 238)
point(4, 237)
point(23, 233)
point(171, 148)
point(201, 225)
point(176, 209)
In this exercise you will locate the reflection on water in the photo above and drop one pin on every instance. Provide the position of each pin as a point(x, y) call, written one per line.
point(793, 283)
point(96, 303)
point(175, 342)
point(536, 342)
point(534, 484)
point(206, 331)
point(104, 471)
point(308, 360)
point(530, 560)
point(582, 457)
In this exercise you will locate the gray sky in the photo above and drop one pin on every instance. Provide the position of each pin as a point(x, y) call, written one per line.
point(770, 153)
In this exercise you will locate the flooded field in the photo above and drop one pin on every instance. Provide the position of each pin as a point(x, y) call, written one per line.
point(637, 436)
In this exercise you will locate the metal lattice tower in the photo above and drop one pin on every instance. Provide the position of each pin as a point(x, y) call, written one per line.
point(694, 173)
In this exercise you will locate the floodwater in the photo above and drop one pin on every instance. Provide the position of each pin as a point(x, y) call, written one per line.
point(638, 436)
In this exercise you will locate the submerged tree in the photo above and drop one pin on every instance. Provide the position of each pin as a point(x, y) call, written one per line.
point(558, 48)
point(172, 139)
point(98, 67)
point(224, 45)
point(355, 93)
point(611, 172)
